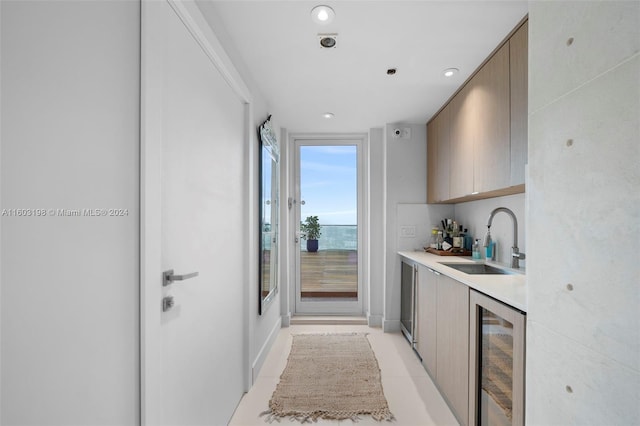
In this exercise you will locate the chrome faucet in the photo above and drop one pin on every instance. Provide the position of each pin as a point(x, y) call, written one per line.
point(515, 252)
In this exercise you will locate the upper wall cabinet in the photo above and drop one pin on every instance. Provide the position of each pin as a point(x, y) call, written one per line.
point(491, 158)
point(477, 144)
point(519, 75)
point(463, 119)
point(438, 157)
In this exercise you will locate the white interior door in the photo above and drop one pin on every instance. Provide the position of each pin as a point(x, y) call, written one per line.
point(193, 221)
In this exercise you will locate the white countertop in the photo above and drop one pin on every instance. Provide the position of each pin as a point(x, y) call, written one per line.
point(508, 288)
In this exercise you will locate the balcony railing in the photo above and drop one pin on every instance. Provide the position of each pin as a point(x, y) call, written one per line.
point(337, 237)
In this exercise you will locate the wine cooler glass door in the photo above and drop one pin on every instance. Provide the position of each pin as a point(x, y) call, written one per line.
point(497, 363)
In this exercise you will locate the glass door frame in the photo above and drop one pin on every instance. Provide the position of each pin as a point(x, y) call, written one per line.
point(333, 307)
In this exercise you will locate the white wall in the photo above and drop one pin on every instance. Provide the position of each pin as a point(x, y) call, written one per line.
point(473, 215)
point(70, 140)
point(405, 166)
point(583, 345)
point(376, 211)
point(262, 328)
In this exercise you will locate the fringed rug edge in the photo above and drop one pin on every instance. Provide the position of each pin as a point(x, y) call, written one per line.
point(309, 417)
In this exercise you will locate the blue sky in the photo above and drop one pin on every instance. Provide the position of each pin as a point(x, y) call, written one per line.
point(328, 183)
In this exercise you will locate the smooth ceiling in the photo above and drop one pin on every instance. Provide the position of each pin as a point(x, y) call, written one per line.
point(278, 45)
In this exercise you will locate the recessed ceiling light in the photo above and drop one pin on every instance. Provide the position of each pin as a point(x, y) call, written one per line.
point(322, 14)
point(328, 115)
point(450, 72)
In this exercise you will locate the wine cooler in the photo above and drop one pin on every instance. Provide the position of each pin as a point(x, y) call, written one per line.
point(496, 363)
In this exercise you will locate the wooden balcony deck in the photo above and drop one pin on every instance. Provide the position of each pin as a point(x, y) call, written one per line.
point(329, 273)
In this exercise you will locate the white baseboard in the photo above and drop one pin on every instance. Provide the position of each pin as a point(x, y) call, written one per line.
point(390, 326)
point(264, 350)
point(286, 320)
point(374, 320)
point(328, 320)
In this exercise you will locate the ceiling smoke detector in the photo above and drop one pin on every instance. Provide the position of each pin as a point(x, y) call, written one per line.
point(328, 41)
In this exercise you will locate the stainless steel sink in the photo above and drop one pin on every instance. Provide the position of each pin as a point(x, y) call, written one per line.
point(476, 268)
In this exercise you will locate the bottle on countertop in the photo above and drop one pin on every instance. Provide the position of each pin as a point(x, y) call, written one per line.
point(440, 240)
point(476, 249)
point(491, 251)
point(456, 236)
point(434, 238)
point(468, 240)
point(488, 251)
point(462, 238)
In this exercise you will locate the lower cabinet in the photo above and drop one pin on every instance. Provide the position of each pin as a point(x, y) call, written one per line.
point(442, 331)
point(472, 346)
point(426, 317)
point(452, 346)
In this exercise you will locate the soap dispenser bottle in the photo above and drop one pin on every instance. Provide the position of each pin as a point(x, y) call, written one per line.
point(476, 249)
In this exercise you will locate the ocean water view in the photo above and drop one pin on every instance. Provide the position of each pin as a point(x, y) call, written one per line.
point(333, 237)
point(337, 237)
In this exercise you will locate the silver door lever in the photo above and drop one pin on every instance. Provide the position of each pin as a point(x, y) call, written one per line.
point(168, 277)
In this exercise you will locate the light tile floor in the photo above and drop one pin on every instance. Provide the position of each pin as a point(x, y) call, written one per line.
point(410, 392)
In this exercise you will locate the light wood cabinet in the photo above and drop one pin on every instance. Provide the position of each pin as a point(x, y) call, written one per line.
point(427, 317)
point(518, 65)
point(452, 345)
point(432, 162)
point(487, 130)
point(463, 110)
point(438, 157)
point(491, 150)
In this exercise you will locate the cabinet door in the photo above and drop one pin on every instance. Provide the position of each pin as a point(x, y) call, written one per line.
point(452, 346)
point(462, 136)
point(518, 63)
point(492, 157)
point(426, 318)
point(432, 161)
point(438, 157)
point(442, 183)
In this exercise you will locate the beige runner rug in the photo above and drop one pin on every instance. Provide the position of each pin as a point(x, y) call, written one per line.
point(329, 376)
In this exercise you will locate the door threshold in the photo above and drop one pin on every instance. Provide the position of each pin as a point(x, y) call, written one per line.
point(328, 320)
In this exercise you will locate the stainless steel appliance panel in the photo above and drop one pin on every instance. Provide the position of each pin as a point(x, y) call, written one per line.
point(407, 301)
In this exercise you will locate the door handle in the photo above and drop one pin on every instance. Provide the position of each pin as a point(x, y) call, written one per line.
point(169, 277)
